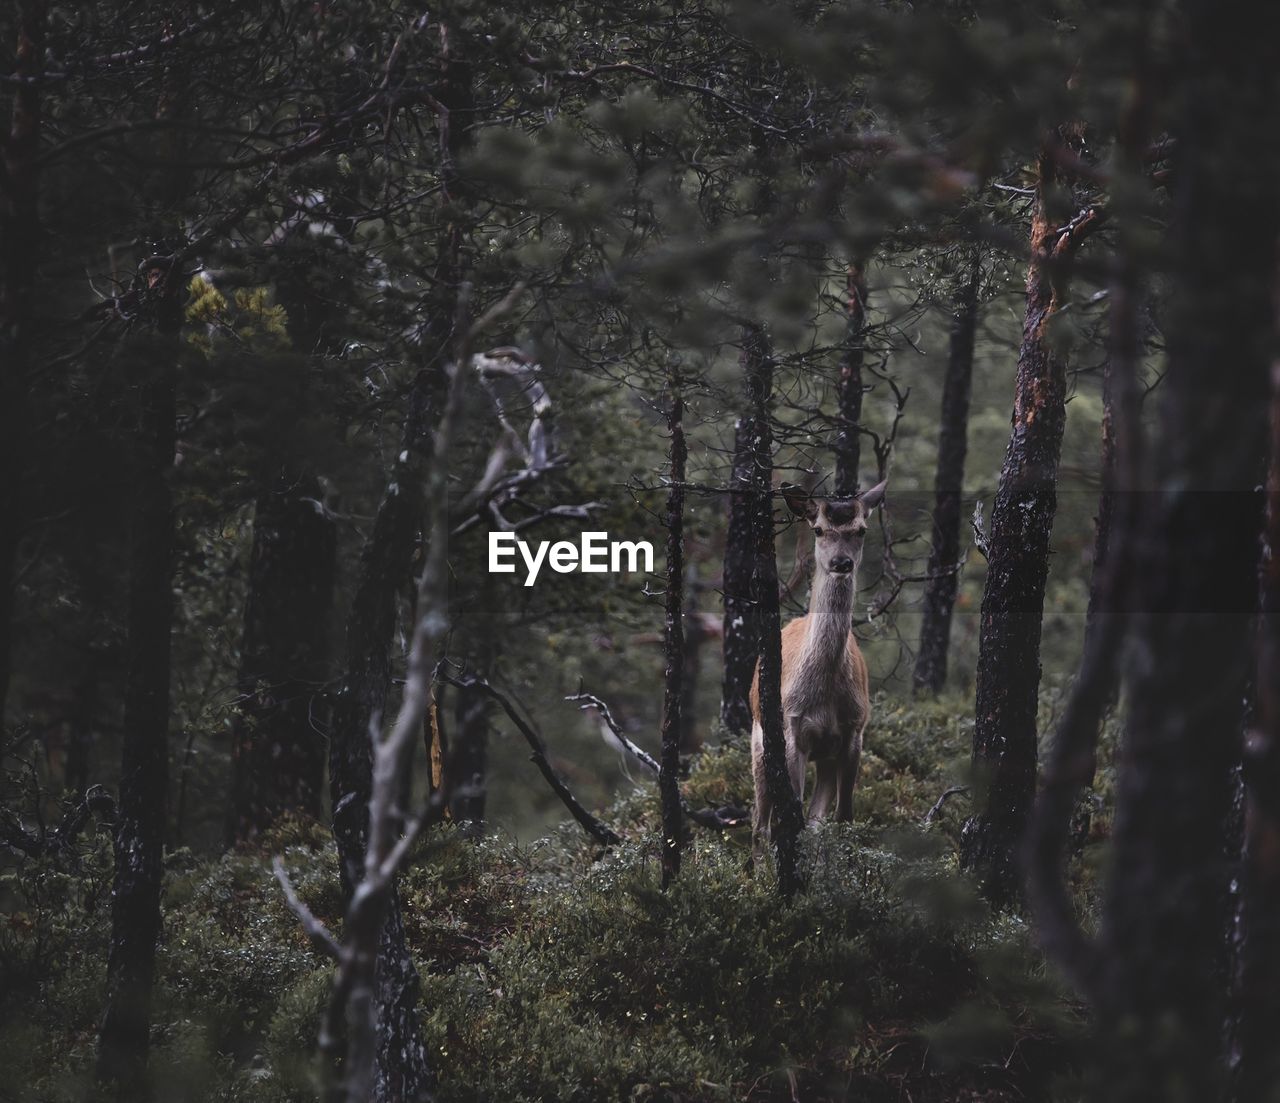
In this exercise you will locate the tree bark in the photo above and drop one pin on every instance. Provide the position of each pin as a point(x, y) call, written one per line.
point(278, 746)
point(1008, 676)
point(741, 614)
point(1070, 761)
point(673, 647)
point(694, 639)
point(402, 1072)
point(1196, 556)
point(19, 255)
point(1259, 988)
point(140, 822)
point(849, 395)
point(930, 673)
point(469, 758)
point(788, 818)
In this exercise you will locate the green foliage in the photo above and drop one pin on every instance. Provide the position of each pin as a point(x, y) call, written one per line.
point(556, 971)
point(615, 984)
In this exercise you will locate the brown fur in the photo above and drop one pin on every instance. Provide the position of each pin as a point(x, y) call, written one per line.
point(825, 688)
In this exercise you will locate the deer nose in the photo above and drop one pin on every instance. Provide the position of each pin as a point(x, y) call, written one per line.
point(843, 565)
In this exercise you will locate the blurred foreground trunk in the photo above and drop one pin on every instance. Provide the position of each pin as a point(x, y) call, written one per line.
point(139, 829)
point(1196, 590)
point(19, 257)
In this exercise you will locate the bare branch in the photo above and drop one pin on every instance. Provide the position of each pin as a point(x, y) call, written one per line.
point(980, 540)
point(316, 931)
point(590, 824)
point(718, 818)
point(936, 810)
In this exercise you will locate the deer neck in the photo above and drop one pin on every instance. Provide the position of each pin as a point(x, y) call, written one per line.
point(830, 619)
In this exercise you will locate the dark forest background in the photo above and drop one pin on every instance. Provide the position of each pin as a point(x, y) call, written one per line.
point(299, 302)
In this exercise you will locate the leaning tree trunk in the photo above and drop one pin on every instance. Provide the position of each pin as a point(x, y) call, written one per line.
point(402, 1072)
point(1196, 584)
point(277, 743)
point(930, 673)
point(849, 393)
point(673, 647)
point(1008, 676)
point(741, 614)
point(139, 828)
point(19, 249)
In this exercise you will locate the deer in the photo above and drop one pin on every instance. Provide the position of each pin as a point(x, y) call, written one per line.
point(825, 689)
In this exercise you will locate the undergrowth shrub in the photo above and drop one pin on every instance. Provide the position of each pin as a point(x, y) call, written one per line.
point(612, 988)
point(562, 971)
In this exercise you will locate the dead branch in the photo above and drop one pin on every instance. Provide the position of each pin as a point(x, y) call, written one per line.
point(13, 834)
point(980, 539)
point(936, 810)
point(726, 816)
point(508, 376)
point(592, 826)
point(316, 931)
point(350, 1075)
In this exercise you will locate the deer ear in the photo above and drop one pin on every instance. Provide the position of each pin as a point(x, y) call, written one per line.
point(873, 497)
point(799, 502)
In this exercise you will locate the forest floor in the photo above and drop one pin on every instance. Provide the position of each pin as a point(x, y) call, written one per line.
point(558, 971)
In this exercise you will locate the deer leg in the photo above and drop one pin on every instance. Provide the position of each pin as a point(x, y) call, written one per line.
point(824, 789)
point(796, 763)
point(847, 778)
point(762, 812)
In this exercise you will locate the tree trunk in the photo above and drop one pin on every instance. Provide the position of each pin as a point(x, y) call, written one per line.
point(673, 648)
point(694, 638)
point(278, 745)
point(469, 759)
point(140, 823)
point(1196, 589)
point(402, 1073)
point(1259, 995)
point(944, 554)
point(741, 614)
point(788, 818)
point(849, 396)
point(1070, 762)
point(1128, 344)
point(19, 251)
point(1008, 676)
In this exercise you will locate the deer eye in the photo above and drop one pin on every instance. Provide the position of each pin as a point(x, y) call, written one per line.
point(817, 531)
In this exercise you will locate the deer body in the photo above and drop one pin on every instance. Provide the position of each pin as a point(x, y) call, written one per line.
point(825, 689)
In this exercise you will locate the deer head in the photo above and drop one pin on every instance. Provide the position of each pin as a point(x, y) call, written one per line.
point(839, 526)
